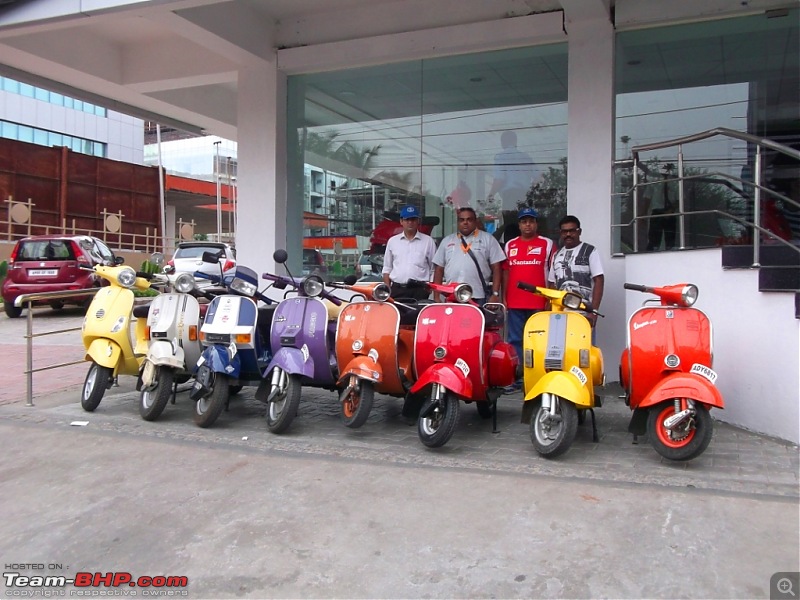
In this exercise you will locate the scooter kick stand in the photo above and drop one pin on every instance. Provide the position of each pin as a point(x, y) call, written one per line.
point(595, 437)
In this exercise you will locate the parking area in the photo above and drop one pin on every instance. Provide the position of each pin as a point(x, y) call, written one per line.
point(325, 511)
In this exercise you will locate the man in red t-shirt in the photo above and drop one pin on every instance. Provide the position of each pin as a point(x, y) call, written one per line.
point(528, 261)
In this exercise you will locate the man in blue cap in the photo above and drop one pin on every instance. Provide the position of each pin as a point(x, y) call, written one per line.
point(409, 255)
point(528, 261)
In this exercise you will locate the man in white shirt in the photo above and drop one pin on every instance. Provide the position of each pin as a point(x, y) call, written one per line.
point(409, 255)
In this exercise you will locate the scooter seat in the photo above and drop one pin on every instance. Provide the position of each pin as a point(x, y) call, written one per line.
point(141, 311)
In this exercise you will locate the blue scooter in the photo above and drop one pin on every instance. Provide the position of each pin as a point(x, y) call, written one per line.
point(235, 336)
point(302, 338)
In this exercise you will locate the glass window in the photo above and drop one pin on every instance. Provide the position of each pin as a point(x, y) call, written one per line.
point(10, 85)
point(69, 102)
point(26, 90)
point(56, 99)
point(25, 133)
point(41, 94)
point(9, 130)
point(742, 74)
point(486, 130)
point(55, 139)
point(40, 137)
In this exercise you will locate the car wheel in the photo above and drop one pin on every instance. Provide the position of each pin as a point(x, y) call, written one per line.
point(12, 311)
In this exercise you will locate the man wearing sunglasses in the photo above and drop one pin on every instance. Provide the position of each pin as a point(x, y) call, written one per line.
point(577, 266)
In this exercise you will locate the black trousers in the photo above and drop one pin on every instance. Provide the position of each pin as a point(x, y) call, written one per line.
point(400, 290)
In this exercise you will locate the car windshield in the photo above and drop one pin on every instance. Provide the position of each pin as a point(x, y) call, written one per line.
point(46, 250)
point(195, 251)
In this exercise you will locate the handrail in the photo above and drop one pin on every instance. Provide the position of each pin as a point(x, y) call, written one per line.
point(695, 137)
point(30, 299)
point(681, 213)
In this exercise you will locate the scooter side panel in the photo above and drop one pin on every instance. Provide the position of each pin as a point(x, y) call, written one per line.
point(370, 327)
point(683, 385)
point(457, 330)
point(564, 384)
point(448, 376)
point(172, 315)
point(655, 332)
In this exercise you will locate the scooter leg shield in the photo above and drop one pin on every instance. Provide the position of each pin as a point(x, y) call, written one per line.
point(563, 384)
point(164, 354)
point(104, 352)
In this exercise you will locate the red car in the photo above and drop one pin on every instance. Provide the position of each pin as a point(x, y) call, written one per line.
point(51, 263)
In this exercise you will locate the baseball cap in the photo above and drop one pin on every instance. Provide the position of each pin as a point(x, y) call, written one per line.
point(409, 212)
point(527, 212)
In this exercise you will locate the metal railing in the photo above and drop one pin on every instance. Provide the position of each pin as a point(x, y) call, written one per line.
point(757, 185)
point(29, 299)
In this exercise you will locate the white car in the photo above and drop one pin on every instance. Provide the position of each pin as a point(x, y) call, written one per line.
point(188, 258)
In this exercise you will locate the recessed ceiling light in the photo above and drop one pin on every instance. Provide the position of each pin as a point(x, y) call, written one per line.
point(476, 79)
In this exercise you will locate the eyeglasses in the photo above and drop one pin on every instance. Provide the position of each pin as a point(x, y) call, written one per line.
point(568, 231)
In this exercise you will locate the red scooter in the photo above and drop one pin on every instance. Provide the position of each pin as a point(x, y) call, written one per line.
point(666, 372)
point(459, 354)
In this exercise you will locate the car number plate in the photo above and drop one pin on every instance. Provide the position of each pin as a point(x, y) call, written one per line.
point(42, 272)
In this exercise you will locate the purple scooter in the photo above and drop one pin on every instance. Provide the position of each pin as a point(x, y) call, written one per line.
point(302, 339)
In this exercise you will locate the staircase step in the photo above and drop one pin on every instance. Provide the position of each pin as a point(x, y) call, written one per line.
point(779, 279)
point(741, 257)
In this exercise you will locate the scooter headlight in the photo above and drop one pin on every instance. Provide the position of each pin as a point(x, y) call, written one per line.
point(572, 301)
point(689, 294)
point(184, 283)
point(245, 288)
point(126, 277)
point(463, 293)
point(381, 292)
point(313, 286)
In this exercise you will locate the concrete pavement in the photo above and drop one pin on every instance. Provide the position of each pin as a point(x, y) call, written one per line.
point(324, 511)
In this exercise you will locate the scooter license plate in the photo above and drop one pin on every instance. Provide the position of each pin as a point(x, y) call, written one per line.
point(704, 371)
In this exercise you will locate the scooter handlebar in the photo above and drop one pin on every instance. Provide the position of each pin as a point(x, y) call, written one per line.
point(527, 287)
point(636, 287)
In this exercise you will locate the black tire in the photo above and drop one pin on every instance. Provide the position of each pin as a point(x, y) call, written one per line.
point(554, 438)
point(57, 305)
point(693, 439)
point(95, 385)
point(209, 408)
point(358, 404)
point(234, 389)
point(436, 429)
point(282, 410)
point(484, 409)
point(12, 312)
point(153, 400)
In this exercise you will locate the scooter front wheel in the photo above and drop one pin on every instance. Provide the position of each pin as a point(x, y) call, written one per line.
point(686, 441)
point(553, 434)
point(209, 408)
point(438, 425)
point(97, 381)
point(154, 398)
point(357, 405)
point(282, 409)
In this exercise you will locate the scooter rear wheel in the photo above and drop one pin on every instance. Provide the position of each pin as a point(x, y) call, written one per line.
point(358, 404)
point(552, 437)
point(153, 399)
point(282, 410)
point(688, 443)
point(97, 381)
point(436, 429)
point(209, 408)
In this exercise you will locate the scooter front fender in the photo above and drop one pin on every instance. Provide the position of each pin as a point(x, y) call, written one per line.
point(362, 367)
point(683, 385)
point(105, 352)
point(446, 375)
point(219, 360)
point(292, 361)
point(563, 384)
point(164, 354)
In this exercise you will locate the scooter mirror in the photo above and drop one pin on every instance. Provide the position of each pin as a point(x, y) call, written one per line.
point(280, 256)
point(157, 258)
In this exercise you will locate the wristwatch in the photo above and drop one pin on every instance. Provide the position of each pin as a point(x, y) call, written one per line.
point(495, 293)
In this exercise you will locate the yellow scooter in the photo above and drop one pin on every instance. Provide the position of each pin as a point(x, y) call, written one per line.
point(560, 370)
point(107, 333)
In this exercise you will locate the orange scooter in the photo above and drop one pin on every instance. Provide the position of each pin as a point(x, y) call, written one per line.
point(666, 372)
point(374, 348)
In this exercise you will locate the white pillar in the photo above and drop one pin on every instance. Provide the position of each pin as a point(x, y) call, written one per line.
point(591, 111)
point(261, 179)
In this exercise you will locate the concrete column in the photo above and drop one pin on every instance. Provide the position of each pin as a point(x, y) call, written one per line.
point(591, 112)
point(171, 233)
point(263, 222)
